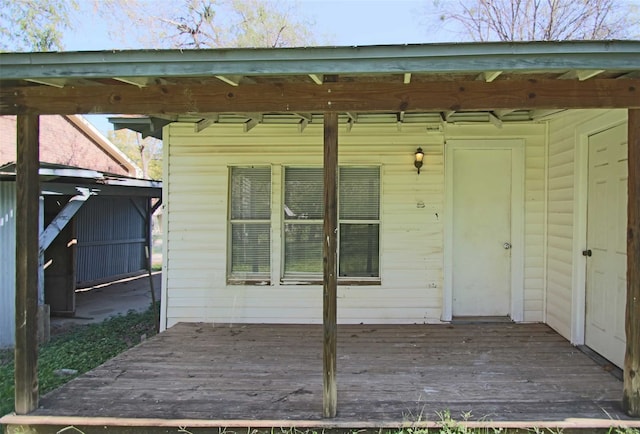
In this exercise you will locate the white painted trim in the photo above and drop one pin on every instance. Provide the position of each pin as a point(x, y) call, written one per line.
point(580, 194)
point(165, 229)
point(517, 147)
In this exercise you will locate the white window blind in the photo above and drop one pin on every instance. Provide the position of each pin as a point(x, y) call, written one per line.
point(359, 222)
point(359, 219)
point(303, 216)
point(250, 213)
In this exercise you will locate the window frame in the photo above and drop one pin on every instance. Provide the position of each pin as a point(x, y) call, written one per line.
point(234, 279)
point(317, 278)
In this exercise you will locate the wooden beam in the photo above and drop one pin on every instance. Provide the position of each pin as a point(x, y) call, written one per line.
point(488, 76)
point(27, 230)
point(134, 81)
point(497, 122)
point(631, 387)
point(205, 123)
point(317, 79)
point(233, 80)
point(302, 125)
point(502, 113)
point(330, 269)
point(342, 97)
point(55, 82)
point(62, 218)
point(581, 74)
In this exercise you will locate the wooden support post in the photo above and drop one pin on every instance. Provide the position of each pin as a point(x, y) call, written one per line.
point(330, 255)
point(27, 250)
point(631, 393)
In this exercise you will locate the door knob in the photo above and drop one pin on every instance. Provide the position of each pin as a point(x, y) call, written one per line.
point(586, 252)
point(506, 246)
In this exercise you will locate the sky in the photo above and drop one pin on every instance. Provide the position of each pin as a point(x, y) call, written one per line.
point(339, 22)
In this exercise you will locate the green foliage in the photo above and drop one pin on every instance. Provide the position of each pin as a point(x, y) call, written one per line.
point(34, 25)
point(146, 153)
point(83, 348)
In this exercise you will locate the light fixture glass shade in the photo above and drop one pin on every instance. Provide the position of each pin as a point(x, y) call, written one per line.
point(419, 157)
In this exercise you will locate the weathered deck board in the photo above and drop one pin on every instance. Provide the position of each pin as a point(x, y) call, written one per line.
point(500, 372)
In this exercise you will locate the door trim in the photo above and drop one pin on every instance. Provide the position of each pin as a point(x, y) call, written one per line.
point(517, 221)
point(583, 131)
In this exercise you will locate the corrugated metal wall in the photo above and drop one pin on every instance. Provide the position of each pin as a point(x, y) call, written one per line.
point(7, 262)
point(111, 238)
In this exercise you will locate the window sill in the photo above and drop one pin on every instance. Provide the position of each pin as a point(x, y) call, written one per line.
point(341, 282)
point(249, 282)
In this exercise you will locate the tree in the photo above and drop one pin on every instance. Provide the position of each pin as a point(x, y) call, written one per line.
point(214, 23)
point(34, 25)
point(546, 20)
point(146, 153)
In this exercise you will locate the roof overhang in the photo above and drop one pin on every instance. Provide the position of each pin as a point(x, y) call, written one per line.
point(383, 79)
point(65, 180)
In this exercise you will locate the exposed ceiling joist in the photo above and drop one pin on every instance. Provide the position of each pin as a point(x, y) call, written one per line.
point(233, 80)
point(302, 125)
point(537, 115)
point(134, 81)
point(317, 78)
point(446, 115)
point(495, 120)
point(344, 96)
point(407, 78)
point(500, 113)
point(488, 76)
point(580, 74)
point(306, 116)
point(353, 118)
point(205, 123)
point(53, 82)
point(254, 120)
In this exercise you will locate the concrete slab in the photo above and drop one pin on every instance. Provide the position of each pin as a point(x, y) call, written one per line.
point(97, 303)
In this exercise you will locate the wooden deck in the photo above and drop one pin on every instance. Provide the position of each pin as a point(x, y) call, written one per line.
point(387, 375)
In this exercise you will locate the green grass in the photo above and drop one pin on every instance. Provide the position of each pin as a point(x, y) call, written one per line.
point(82, 348)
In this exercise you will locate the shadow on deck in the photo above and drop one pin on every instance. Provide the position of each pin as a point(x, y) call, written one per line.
point(194, 375)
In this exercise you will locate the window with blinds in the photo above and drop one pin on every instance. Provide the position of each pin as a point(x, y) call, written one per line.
point(303, 221)
point(359, 222)
point(358, 217)
point(249, 217)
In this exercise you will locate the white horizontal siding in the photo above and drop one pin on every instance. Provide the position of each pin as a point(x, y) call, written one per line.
point(560, 215)
point(411, 234)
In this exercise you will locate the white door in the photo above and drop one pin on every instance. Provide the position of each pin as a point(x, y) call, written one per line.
point(481, 263)
point(606, 243)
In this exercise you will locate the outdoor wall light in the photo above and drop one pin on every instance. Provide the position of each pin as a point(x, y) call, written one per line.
point(419, 158)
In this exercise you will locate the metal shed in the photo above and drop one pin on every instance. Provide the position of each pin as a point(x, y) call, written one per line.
point(105, 239)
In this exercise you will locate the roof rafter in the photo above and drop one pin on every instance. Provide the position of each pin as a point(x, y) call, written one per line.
point(134, 81)
point(53, 82)
point(580, 74)
point(488, 76)
point(233, 80)
point(317, 79)
point(205, 123)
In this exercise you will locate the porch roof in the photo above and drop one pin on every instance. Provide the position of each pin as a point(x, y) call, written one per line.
point(449, 77)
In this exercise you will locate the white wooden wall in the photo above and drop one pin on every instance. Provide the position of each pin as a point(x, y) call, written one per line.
point(563, 237)
point(195, 189)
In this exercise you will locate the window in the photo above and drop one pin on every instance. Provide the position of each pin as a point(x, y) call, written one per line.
point(250, 225)
point(358, 222)
point(303, 222)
